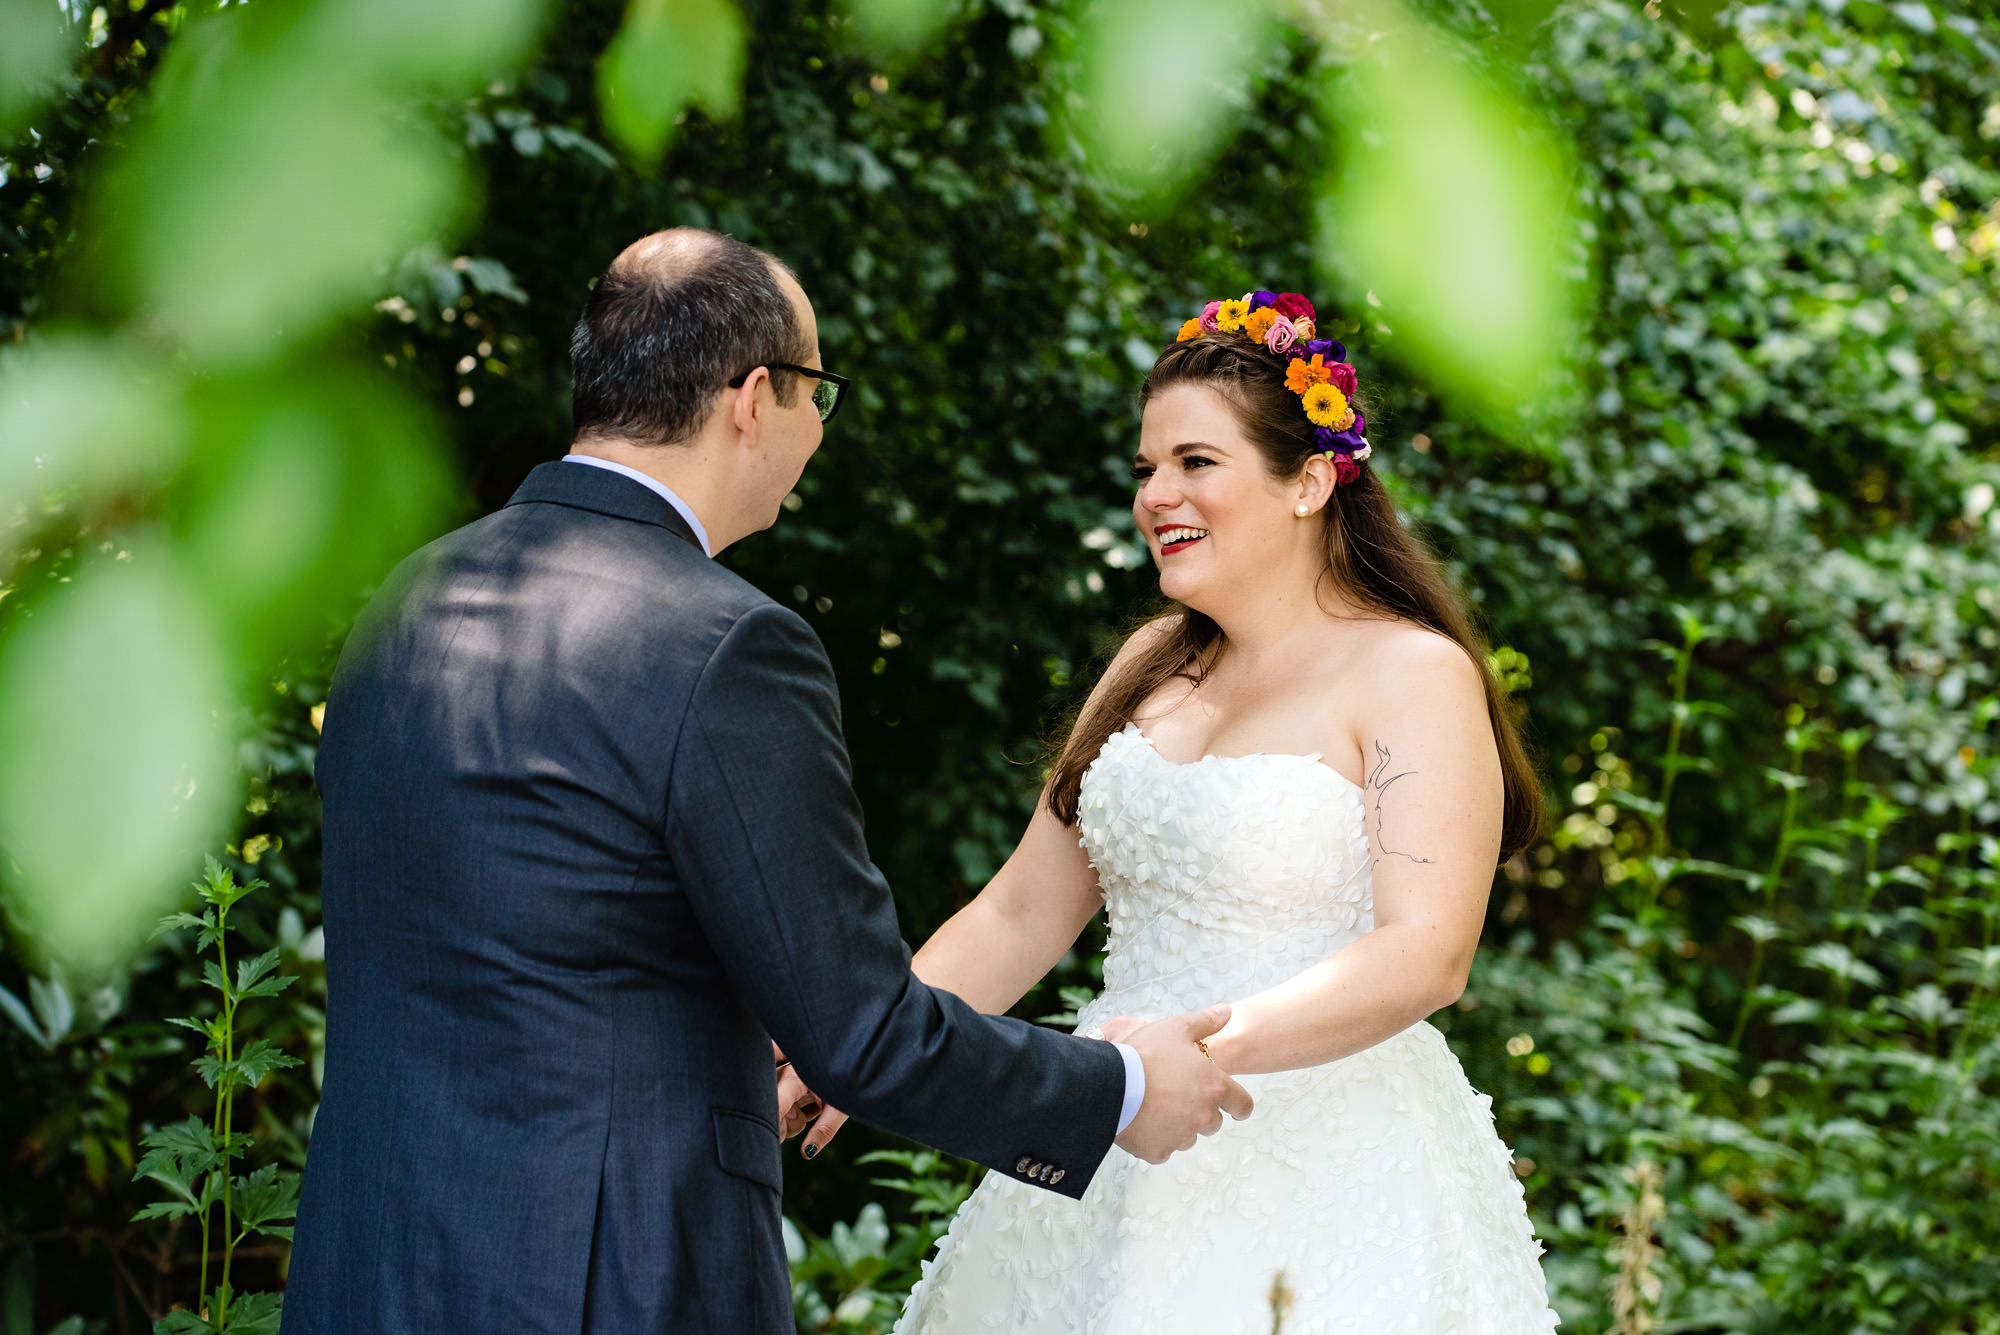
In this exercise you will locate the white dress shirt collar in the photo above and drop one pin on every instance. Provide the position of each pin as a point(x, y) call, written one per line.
point(666, 493)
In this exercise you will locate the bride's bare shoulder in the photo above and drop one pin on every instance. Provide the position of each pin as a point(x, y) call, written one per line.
point(1399, 660)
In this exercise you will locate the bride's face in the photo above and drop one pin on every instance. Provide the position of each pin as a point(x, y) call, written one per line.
point(1218, 524)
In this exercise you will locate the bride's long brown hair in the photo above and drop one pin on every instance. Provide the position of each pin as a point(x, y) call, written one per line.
point(1371, 558)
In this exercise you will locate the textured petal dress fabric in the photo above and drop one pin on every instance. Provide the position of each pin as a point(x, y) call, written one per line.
point(1375, 1185)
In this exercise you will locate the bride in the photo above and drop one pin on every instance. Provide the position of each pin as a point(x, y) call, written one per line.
point(1288, 793)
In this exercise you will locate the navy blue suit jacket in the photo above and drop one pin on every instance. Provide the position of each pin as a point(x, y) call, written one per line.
point(590, 844)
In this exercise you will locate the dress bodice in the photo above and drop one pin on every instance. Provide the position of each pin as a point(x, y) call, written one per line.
point(1221, 877)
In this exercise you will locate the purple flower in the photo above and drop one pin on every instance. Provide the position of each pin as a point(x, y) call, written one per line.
point(1260, 299)
point(1327, 347)
point(1346, 441)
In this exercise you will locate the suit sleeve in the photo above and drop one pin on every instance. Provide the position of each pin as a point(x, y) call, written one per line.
point(764, 827)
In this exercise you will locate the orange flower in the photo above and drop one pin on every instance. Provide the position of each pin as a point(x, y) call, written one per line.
point(1302, 375)
point(1258, 323)
point(1192, 329)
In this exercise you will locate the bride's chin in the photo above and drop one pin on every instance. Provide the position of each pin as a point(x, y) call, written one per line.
point(1180, 588)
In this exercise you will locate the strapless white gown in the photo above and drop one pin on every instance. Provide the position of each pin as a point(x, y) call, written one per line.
point(1375, 1185)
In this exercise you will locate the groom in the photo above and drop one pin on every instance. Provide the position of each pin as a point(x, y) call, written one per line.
point(590, 848)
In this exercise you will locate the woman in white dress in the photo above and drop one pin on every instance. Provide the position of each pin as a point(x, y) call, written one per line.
point(1289, 793)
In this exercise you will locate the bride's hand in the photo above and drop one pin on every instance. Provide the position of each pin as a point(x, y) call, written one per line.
point(799, 1107)
point(1119, 1028)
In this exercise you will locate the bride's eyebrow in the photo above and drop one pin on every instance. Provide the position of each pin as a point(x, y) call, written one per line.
point(1183, 448)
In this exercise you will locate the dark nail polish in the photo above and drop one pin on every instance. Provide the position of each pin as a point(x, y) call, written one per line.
point(811, 1150)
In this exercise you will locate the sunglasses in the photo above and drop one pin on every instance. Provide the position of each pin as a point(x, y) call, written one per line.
point(828, 389)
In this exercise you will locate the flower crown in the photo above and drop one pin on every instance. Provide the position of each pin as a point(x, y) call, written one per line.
point(1316, 369)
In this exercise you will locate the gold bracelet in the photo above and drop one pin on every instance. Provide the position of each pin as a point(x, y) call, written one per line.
point(1202, 1043)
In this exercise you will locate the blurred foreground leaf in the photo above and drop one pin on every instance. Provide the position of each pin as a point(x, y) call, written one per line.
point(115, 765)
point(669, 53)
point(1163, 82)
point(266, 189)
point(35, 42)
point(1451, 207)
point(78, 410)
point(898, 25)
point(312, 481)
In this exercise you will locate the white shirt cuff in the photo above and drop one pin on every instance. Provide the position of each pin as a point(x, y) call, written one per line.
point(1135, 1085)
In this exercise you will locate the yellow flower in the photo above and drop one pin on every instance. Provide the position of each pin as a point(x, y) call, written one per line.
point(1258, 323)
point(1229, 315)
point(1192, 329)
point(1327, 406)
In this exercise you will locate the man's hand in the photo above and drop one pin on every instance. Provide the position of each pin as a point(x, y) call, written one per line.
point(1186, 1093)
point(798, 1107)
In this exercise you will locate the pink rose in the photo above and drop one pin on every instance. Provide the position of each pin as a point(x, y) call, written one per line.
point(1293, 306)
point(1345, 470)
point(1208, 316)
point(1282, 336)
point(1343, 378)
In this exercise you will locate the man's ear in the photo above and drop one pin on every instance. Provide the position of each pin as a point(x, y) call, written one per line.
point(743, 412)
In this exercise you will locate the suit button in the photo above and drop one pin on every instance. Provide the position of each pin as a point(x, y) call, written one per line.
point(1055, 1177)
point(1022, 1167)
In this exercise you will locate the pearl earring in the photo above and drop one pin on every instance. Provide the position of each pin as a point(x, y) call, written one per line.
point(1302, 510)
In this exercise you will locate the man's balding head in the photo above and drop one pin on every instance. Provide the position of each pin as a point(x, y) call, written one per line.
point(675, 317)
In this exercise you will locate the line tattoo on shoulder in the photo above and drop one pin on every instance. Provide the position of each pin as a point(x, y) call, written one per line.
point(1380, 779)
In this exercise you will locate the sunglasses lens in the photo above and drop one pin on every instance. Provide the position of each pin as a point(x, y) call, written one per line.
point(825, 395)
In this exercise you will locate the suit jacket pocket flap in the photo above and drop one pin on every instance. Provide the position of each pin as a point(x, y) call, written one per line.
point(747, 1147)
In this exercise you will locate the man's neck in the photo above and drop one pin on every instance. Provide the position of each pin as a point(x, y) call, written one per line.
point(685, 470)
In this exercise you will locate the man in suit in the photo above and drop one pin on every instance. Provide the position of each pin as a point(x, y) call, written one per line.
point(591, 848)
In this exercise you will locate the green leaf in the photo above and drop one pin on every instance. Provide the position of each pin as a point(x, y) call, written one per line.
point(1160, 85)
point(18, 1013)
point(268, 987)
point(669, 53)
point(250, 970)
point(898, 25)
point(108, 702)
point(1485, 311)
point(36, 43)
point(182, 1322)
point(1756, 928)
point(253, 1314)
point(1645, 806)
point(266, 1196)
point(259, 1059)
point(493, 277)
point(166, 1210)
point(191, 1138)
point(174, 922)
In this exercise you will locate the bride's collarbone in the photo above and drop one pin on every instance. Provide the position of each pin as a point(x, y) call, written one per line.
point(1192, 728)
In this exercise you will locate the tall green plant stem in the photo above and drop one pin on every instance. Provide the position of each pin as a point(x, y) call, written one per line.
point(1692, 634)
point(225, 1089)
point(1843, 984)
point(1683, 659)
point(1798, 738)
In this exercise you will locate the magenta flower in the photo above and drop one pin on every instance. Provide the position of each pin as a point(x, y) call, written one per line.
point(1208, 316)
